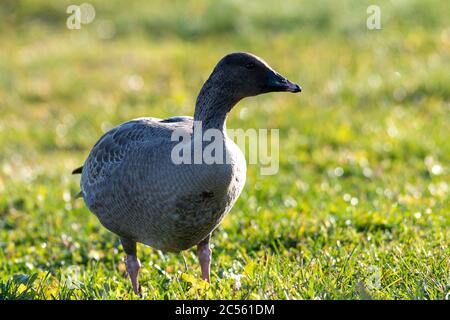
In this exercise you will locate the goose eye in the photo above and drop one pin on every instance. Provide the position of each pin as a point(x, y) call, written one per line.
point(250, 65)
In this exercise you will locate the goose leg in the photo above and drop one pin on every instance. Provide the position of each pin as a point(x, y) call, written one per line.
point(204, 256)
point(132, 262)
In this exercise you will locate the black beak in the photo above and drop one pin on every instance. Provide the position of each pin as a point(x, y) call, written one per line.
point(278, 83)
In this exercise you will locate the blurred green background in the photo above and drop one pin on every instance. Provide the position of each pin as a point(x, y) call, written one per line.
point(359, 208)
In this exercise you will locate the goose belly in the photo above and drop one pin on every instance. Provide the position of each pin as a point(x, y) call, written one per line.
point(170, 216)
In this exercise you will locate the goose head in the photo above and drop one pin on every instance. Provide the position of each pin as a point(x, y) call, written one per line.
point(244, 75)
point(236, 76)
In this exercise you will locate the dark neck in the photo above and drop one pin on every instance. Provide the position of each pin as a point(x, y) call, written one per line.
point(213, 104)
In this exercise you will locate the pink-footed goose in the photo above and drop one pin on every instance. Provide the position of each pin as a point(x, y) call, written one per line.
point(130, 182)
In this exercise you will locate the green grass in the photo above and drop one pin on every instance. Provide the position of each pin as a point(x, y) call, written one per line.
point(376, 104)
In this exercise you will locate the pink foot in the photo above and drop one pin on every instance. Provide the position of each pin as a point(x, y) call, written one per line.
point(204, 255)
point(133, 266)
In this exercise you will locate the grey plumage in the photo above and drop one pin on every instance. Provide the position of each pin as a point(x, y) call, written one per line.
point(131, 184)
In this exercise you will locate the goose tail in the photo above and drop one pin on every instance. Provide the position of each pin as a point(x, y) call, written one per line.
point(79, 195)
point(78, 170)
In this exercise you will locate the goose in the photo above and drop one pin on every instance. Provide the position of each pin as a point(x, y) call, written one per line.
point(132, 184)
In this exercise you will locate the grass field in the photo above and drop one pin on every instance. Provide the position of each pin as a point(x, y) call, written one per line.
point(359, 209)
